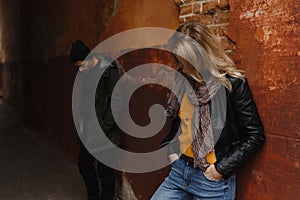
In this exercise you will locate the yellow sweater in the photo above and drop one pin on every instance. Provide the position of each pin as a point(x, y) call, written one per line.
point(186, 115)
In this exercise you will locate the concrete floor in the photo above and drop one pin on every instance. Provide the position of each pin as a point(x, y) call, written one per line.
point(31, 169)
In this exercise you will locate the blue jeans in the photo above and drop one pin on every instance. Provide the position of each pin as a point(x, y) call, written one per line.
point(187, 183)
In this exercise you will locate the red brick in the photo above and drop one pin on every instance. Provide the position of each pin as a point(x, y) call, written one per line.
point(224, 4)
point(220, 31)
point(222, 17)
point(209, 7)
point(196, 8)
point(178, 2)
point(191, 1)
point(185, 10)
point(181, 21)
point(204, 18)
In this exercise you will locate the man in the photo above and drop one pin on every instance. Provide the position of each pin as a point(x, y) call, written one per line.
point(110, 76)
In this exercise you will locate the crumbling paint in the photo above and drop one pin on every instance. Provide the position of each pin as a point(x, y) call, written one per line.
point(267, 49)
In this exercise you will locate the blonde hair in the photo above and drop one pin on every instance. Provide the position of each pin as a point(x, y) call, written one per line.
point(198, 50)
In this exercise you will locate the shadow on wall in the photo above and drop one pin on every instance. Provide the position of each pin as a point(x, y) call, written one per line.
point(1, 85)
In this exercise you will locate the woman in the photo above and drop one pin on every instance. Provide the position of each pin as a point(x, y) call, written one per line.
point(213, 144)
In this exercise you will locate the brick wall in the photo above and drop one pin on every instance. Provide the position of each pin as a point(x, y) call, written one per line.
point(214, 13)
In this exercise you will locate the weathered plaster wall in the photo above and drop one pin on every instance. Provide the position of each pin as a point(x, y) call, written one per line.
point(47, 30)
point(267, 38)
point(41, 75)
point(148, 13)
point(51, 26)
point(134, 14)
point(145, 184)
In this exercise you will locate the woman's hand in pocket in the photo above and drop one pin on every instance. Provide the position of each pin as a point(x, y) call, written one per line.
point(212, 174)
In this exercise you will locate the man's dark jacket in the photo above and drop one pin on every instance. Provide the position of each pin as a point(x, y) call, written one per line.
point(103, 100)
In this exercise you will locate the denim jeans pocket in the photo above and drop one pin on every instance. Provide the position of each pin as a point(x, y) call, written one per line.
point(175, 161)
point(210, 180)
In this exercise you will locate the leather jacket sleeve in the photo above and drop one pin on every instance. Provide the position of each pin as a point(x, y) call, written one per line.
point(249, 126)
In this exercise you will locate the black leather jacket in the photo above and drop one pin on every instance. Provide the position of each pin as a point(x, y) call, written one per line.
point(242, 135)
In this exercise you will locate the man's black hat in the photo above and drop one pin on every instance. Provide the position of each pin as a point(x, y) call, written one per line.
point(79, 51)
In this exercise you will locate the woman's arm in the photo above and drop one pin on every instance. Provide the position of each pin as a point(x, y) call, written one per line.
point(250, 129)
